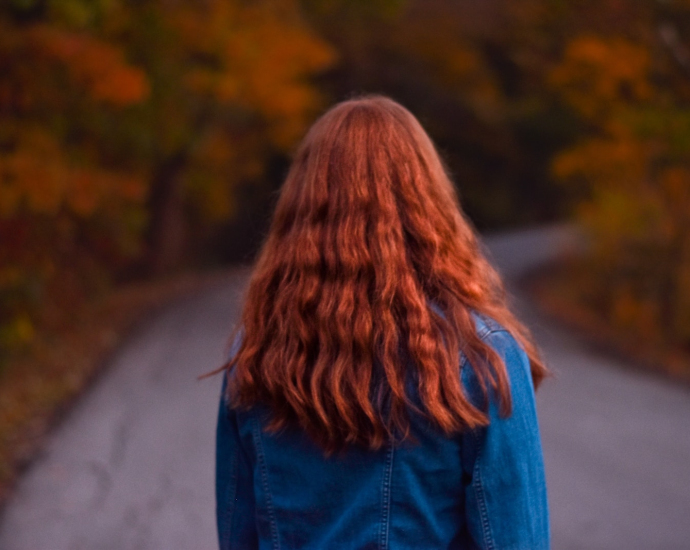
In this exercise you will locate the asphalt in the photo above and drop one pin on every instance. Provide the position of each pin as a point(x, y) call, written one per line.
point(131, 465)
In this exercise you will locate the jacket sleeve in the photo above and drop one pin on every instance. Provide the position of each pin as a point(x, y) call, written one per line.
point(234, 484)
point(505, 491)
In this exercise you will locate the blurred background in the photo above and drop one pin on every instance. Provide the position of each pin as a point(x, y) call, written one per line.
point(142, 144)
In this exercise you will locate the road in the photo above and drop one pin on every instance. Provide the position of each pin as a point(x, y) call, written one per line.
point(131, 466)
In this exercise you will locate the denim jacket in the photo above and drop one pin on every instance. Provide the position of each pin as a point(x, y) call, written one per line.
point(480, 489)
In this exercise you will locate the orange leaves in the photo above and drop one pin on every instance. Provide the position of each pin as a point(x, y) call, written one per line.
point(635, 168)
point(598, 73)
point(271, 60)
point(33, 58)
point(87, 133)
point(614, 160)
point(37, 177)
point(639, 316)
point(675, 182)
point(91, 190)
point(32, 174)
point(608, 82)
point(97, 66)
point(257, 57)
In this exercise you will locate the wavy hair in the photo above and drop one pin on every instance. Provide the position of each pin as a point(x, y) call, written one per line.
point(367, 280)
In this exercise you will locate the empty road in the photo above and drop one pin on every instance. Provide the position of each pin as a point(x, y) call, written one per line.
point(131, 466)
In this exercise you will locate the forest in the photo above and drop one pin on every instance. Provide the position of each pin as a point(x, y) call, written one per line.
point(140, 138)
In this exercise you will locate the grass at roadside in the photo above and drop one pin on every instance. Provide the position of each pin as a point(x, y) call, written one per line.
point(557, 291)
point(39, 385)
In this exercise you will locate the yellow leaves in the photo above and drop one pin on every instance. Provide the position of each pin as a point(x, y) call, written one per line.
point(97, 66)
point(598, 73)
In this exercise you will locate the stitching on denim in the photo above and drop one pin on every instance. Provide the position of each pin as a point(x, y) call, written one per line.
point(231, 498)
point(496, 331)
point(488, 326)
point(386, 499)
point(230, 493)
point(481, 500)
point(480, 325)
point(264, 482)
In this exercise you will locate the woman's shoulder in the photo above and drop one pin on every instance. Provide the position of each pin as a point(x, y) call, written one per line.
point(486, 325)
point(499, 337)
point(514, 359)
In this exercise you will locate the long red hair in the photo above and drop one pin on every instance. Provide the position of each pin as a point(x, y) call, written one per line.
point(367, 233)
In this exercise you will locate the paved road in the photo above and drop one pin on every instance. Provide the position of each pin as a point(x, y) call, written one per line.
point(132, 466)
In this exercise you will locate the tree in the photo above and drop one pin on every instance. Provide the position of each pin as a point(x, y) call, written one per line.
point(64, 207)
point(229, 88)
point(630, 87)
point(462, 67)
point(123, 123)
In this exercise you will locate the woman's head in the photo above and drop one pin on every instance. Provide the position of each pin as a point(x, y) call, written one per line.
point(366, 235)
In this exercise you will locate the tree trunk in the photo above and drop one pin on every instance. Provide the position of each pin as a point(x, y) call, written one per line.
point(166, 237)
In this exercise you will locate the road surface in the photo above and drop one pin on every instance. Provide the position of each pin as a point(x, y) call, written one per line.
point(131, 467)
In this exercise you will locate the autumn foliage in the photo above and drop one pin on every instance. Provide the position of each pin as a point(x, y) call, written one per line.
point(66, 212)
point(129, 131)
point(584, 105)
point(124, 121)
point(629, 87)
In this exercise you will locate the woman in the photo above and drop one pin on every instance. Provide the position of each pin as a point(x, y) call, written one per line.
point(379, 393)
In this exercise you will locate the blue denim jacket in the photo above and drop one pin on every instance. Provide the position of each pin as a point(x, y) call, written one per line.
point(481, 489)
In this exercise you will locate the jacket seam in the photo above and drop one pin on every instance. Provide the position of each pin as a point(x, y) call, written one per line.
point(481, 500)
point(231, 494)
point(386, 500)
point(264, 483)
point(487, 535)
point(486, 325)
point(489, 331)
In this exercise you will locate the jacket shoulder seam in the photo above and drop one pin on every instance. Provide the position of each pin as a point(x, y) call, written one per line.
point(488, 332)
